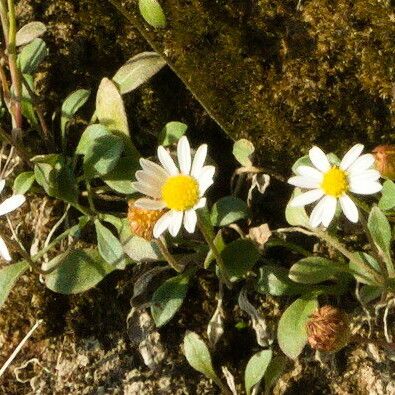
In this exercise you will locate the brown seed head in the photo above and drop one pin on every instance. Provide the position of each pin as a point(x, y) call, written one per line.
point(328, 329)
point(385, 160)
point(142, 221)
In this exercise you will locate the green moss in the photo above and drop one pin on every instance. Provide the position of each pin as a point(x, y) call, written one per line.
point(286, 78)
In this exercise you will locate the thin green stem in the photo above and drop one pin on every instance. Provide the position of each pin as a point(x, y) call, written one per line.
point(4, 19)
point(209, 237)
point(90, 196)
point(376, 275)
point(168, 256)
point(14, 70)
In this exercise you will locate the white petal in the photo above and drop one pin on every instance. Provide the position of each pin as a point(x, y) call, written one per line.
point(319, 159)
point(365, 188)
point(303, 182)
point(4, 253)
point(11, 204)
point(309, 172)
point(365, 176)
point(329, 210)
point(306, 198)
point(150, 177)
point(316, 214)
point(150, 204)
point(175, 223)
point(167, 161)
point(349, 208)
point(351, 156)
point(146, 189)
point(162, 224)
point(205, 179)
point(190, 219)
point(184, 155)
point(200, 204)
point(198, 160)
point(363, 163)
point(153, 167)
point(2, 185)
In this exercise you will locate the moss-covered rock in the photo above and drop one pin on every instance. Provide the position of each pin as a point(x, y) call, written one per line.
point(285, 77)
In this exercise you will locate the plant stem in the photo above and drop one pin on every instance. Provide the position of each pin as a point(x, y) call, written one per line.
point(14, 70)
point(4, 20)
point(350, 256)
point(209, 237)
point(168, 256)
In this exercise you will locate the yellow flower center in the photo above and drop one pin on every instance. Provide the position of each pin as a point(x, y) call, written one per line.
point(335, 182)
point(180, 192)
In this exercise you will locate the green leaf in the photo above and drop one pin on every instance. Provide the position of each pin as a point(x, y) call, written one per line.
point(368, 293)
point(171, 133)
point(198, 355)
point(110, 109)
point(292, 331)
point(137, 248)
point(296, 216)
point(71, 105)
point(23, 182)
point(120, 178)
point(256, 368)
point(54, 173)
point(380, 229)
point(228, 210)
point(103, 156)
point(152, 13)
point(29, 32)
point(28, 110)
point(313, 270)
point(89, 137)
point(274, 280)
point(108, 245)
point(168, 298)
point(32, 55)
point(359, 273)
point(387, 201)
point(239, 257)
point(273, 372)
point(8, 276)
point(303, 161)
point(220, 244)
point(242, 151)
point(79, 271)
point(138, 70)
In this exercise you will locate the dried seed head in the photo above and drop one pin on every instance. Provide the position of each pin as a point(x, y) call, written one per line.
point(385, 160)
point(328, 329)
point(142, 221)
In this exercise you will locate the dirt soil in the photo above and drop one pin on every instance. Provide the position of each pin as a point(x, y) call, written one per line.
point(82, 345)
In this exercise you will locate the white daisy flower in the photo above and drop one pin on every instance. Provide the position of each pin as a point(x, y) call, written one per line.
point(6, 207)
point(331, 183)
point(179, 189)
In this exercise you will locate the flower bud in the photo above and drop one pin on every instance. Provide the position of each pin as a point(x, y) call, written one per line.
point(385, 160)
point(142, 221)
point(328, 329)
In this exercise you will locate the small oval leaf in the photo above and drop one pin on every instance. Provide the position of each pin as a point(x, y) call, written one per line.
point(292, 331)
point(8, 277)
point(198, 355)
point(71, 105)
point(108, 245)
point(29, 32)
point(32, 55)
point(256, 368)
point(228, 210)
point(79, 271)
point(168, 298)
point(23, 182)
point(138, 70)
point(172, 132)
point(152, 13)
point(242, 151)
